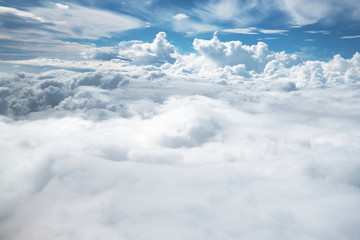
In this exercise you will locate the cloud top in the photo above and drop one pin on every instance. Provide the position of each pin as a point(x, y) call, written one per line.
point(227, 63)
point(254, 57)
point(158, 52)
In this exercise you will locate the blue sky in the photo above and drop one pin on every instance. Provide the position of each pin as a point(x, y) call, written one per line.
point(315, 30)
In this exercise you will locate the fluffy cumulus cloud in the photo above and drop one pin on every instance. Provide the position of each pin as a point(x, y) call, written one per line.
point(255, 57)
point(336, 72)
point(158, 52)
point(235, 142)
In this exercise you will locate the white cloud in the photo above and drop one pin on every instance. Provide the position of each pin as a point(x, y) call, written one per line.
point(60, 63)
point(50, 48)
point(241, 14)
point(249, 30)
point(158, 52)
point(238, 14)
point(190, 148)
point(309, 12)
point(268, 38)
point(319, 32)
point(83, 22)
point(295, 13)
point(350, 37)
point(102, 53)
point(62, 6)
point(254, 30)
point(273, 31)
point(337, 71)
point(42, 27)
point(22, 14)
point(180, 16)
point(219, 62)
point(255, 57)
point(74, 20)
point(224, 9)
point(276, 163)
point(222, 62)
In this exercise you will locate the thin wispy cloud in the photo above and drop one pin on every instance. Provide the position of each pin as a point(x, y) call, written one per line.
point(273, 31)
point(267, 38)
point(310, 12)
point(44, 27)
point(19, 13)
point(250, 30)
point(350, 37)
point(62, 6)
point(326, 32)
point(82, 22)
point(254, 30)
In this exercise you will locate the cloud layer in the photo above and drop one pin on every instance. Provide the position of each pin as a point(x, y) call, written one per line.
point(235, 142)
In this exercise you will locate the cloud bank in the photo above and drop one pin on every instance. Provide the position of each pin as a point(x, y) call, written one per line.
point(235, 142)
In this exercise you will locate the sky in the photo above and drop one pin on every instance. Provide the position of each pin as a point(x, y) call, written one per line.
point(316, 30)
point(197, 120)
